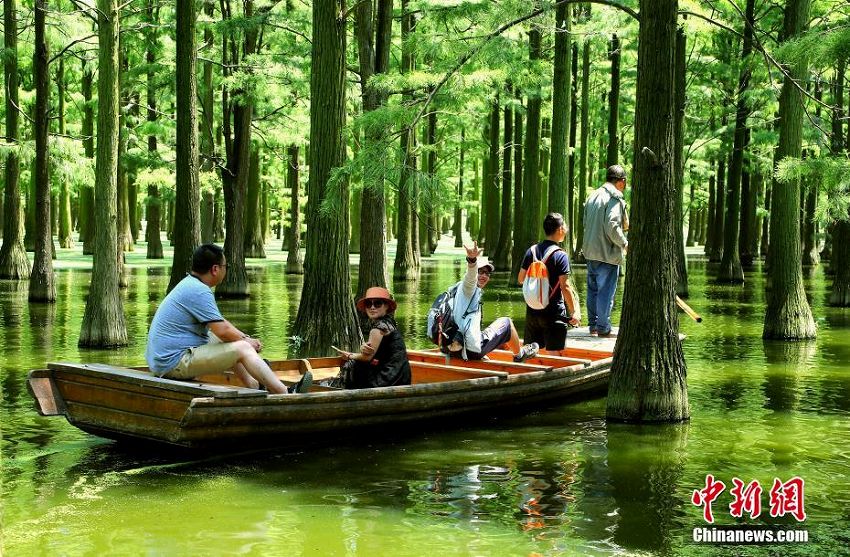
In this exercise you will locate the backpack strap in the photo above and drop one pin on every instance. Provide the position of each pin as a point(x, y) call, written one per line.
point(549, 252)
point(552, 249)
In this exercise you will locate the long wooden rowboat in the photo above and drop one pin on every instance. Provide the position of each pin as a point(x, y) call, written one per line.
point(130, 403)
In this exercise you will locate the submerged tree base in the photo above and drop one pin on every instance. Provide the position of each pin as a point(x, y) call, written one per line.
point(14, 263)
point(651, 388)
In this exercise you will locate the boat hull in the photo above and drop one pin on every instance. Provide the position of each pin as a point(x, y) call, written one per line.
point(123, 403)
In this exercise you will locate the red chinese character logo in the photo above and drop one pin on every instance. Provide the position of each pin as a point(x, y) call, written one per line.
point(707, 496)
point(746, 498)
point(788, 498)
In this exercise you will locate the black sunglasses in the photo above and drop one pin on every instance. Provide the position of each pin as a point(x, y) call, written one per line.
point(373, 303)
point(484, 272)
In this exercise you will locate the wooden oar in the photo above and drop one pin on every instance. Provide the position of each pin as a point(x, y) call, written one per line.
point(687, 309)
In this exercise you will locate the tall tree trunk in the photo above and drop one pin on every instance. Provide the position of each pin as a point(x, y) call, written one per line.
point(517, 248)
point(730, 269)
point(65, 224)
point(458, 224)
point(42, 281)
point(681, 262)
point(788, 316)
point(839, 232)
point(433, 237)
point(570, 217)
point(326, 314)
point(187, 203)
point(648, 372)
point(712, 197)
point(406, 265)
point(693, 216)
point(614, 103)
point(750, 181)
point(561, 88)
point(501, 260)
point(207, 214)
point(240, 108)
point(103, 321)
point(584, 146)
point(207, 96)
point(491, 185)
point(719, 209)
point(531, 191)
point(86, 191)
point(254, 240)
point(153, 202)
point(294, 260)
point(810, 255)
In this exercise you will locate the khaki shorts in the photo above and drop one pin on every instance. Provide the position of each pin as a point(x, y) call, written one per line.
point(213, 357)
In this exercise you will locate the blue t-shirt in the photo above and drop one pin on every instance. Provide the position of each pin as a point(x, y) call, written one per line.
point(558, 265)
point(180, 323)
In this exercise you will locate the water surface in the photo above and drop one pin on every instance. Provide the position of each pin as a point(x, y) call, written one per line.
point(557, 481)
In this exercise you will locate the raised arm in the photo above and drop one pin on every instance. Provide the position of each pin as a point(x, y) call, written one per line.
point(470, 279)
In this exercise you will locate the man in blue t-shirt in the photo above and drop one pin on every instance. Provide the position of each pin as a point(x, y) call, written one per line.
point(189, 337)
point(547, 327)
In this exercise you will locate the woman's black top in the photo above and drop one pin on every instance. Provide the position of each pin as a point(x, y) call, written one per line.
point(389, 366)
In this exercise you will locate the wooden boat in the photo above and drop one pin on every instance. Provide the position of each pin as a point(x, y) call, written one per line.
point(131, 404)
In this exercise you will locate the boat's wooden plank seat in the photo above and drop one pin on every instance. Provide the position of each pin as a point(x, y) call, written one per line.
point(145, 380)
point(498, 365)
point(427, 372)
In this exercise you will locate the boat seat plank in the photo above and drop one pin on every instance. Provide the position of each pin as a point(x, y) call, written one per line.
point(465, 371)
point(135, 377)
point(510, 367)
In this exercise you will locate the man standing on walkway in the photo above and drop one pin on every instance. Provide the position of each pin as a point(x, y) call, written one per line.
point(605, 244)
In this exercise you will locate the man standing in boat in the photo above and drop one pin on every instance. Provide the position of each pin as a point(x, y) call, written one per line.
point(546, 324)
point(189, 337)
point(473, 343)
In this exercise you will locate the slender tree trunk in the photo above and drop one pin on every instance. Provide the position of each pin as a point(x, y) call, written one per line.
point(326, 314)
point(406, 265)
point(86, 191)
point(433, 236)
point(648, 372)
point(712, 201)
point(240, 109)
point(810, 255)
point(153, 202)
point(749, 202)
point(14, 263)
point(788, 316)
point(614, 103)
point(103, 321)
point(531, 191)
point(65, 221)
point(578, 255)
point(719, 210)
point(294, 260)
point(207, 214)
point(681, 262)
point(208, 96)
point(42, 281)
point(491, 187)
point(187, 233)
point(839, 233)
point(458, 224)
point(561, 88)
point(570, 217)
point(517, 248)
point(501, 261)
point(693, 217)
point(730, 269)
point(254, 241)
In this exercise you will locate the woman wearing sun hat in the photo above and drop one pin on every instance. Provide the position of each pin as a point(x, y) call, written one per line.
point(382, 361)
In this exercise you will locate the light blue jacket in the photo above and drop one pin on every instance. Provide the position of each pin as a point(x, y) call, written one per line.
point(604, 218)
point(467, 310)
